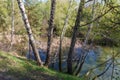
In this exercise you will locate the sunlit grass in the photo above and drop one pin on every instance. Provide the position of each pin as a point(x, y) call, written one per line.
point(23, 69)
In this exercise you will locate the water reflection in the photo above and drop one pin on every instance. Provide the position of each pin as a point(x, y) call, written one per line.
point(93, 59)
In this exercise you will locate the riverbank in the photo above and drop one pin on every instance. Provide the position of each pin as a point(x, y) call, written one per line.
point(14, 67)
point(20, 43)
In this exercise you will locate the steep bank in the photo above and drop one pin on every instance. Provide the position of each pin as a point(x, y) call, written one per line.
point(14, 67)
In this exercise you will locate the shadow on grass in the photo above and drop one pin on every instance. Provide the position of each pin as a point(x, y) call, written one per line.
point(23, 69)
point(17, 68)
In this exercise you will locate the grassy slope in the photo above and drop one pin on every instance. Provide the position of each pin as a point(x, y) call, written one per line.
point(18, 68)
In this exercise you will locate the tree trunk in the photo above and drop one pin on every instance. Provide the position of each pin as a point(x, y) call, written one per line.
point(79, 67)
point(29, 31)
point(12, 25)
point(91, 25)
point(50, 31)
point(75, 31)
point(63, 33)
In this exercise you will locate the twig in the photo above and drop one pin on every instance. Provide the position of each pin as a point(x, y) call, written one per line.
point(102, 72)
point(100, 15)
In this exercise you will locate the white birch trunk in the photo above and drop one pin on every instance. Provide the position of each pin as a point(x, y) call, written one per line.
point(29, 31)
point(91, 25)
point(63, 33)
point(12, 25)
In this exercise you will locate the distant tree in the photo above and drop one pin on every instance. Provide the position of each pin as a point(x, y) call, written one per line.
point(4, 15)
point(12, 25)
point(29, 31)
point(50, 30)
point(90, 25)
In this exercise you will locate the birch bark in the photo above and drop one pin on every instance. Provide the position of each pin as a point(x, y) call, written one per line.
point(29, 31)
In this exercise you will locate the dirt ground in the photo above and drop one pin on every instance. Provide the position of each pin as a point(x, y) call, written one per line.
point(20, 43)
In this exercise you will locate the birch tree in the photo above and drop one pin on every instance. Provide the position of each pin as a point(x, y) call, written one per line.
point(75, 31)
point(29, 31)
point(91, 25)
point(12, 25)
point(63, 32)
point(80, 64)
point(50, 31)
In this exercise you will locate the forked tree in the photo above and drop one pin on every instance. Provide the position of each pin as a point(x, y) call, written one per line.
point(63, 33)
point(50, 31)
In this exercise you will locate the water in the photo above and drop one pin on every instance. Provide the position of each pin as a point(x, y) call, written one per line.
point(93, 58)
point(41, 53)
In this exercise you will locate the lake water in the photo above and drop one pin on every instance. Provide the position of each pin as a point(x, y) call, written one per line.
point(94, 57)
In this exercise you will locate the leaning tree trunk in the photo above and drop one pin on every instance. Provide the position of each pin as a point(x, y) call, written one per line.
point(63, 33)
point(80, 64)
point(50, 31)
point(12, 25)
point(75, 31)
point(29, 31)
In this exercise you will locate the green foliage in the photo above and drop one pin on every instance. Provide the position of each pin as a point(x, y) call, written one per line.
point(38, 13)
point(109, 27)
point(38, 16)
point(4, 15)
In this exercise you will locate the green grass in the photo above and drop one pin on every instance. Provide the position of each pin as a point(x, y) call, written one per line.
point(18, 68)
